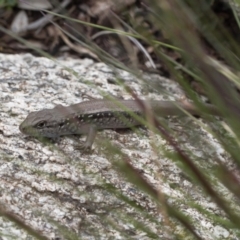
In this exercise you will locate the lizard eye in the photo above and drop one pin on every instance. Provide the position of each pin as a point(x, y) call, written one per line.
point(40, 124)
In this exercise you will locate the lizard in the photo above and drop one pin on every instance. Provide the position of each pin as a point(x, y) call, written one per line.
point(90, 116)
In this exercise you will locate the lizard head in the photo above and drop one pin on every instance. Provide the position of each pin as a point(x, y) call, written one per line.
point(40, 124)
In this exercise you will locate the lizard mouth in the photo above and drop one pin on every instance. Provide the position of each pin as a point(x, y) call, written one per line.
point(27, 130)
point(22, 128)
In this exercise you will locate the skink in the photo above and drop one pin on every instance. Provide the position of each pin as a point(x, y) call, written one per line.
point(90, 116)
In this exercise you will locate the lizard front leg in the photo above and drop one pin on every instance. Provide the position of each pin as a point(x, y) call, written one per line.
point(91, 135)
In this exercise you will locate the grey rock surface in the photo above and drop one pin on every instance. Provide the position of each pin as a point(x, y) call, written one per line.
point(61, 192)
